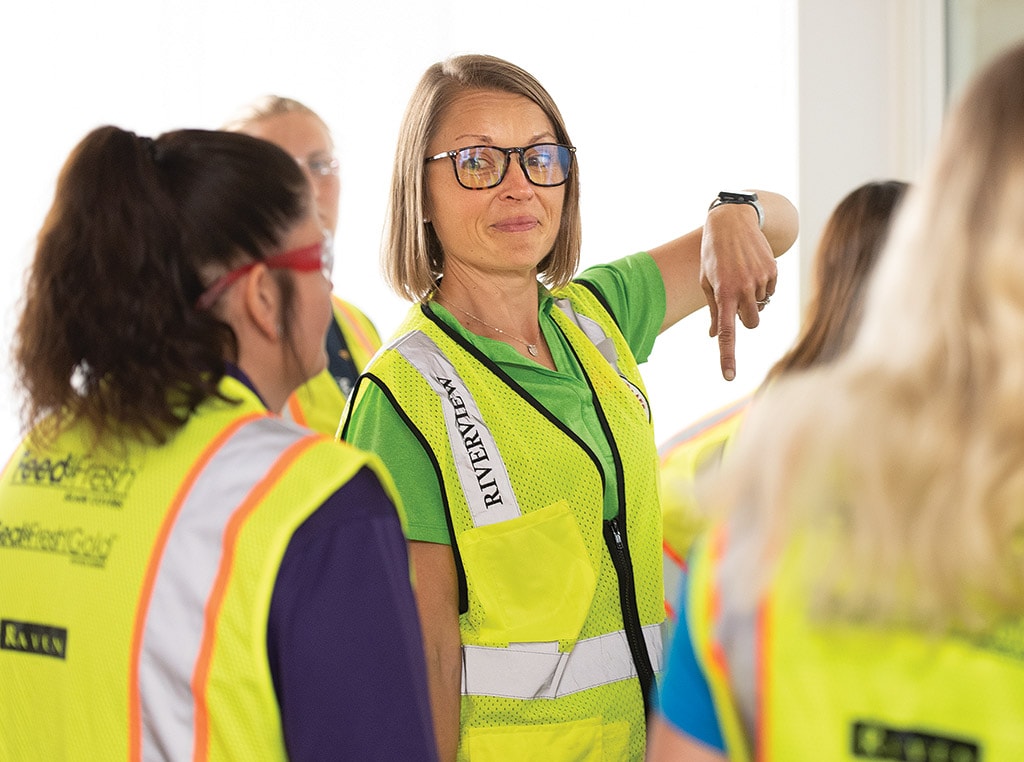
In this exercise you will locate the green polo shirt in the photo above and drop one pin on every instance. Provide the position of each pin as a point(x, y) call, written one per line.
point(632, 287)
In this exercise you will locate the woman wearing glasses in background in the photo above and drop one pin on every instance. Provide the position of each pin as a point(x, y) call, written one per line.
point(185, 575)
point(511, 413)
point(351, 338)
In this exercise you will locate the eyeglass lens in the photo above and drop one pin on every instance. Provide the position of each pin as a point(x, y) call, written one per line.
point(544, 164)
point(321, 166)
point(327, 256)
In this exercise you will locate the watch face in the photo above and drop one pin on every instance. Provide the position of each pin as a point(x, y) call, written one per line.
point(737, 197)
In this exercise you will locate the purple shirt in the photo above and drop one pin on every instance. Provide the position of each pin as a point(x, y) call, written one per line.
point(343, 634)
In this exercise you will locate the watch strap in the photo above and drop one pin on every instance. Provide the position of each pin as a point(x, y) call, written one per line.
point(740, 197)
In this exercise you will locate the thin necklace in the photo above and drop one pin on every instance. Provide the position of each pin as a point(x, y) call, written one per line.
point(531, 348)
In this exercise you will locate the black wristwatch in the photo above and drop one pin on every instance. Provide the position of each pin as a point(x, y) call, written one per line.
point(740, 197)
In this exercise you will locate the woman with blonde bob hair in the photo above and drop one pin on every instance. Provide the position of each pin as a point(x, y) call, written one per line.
point(413, 256)
point(510, 409)
point(863, 592)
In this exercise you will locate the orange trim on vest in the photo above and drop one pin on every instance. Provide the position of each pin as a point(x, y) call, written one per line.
point(295, 410)
point(673, 556)
point(142, 609)
point(716, 652)
point(354, 322)
point(762, 659)
point(680, 562)
point(234, 526)
point(701, 427)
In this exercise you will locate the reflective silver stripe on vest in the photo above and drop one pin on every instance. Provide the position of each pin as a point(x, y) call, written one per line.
point(175, 624)
point(593, 331)
point(481, 470)
point(605, 345)
point(538, 670)
point(736, 630)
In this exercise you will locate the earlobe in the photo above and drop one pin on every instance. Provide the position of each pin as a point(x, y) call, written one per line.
point(262, 302)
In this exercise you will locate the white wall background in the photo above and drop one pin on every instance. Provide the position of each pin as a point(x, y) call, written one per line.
point(872, 86)
point(667, 101)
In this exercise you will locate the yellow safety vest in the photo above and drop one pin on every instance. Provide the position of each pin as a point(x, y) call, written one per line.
point(683, 457)
point(319, 403)
point(136, 585)
point(787, 690)
point(549, 667)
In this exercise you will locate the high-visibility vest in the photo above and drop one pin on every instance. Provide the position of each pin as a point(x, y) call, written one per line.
point(136, 585)
point(562, 609)
point(319, 403)
point(789, 689)
point(683, 457)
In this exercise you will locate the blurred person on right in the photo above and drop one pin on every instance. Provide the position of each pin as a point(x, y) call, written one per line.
point(861, 595)
point(849, 246)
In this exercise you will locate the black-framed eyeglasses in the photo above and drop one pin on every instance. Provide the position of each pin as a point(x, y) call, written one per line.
point(482, 167)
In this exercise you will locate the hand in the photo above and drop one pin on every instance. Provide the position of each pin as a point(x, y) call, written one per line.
point(737, 270)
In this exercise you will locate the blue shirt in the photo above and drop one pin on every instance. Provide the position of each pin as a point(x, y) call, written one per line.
point(685, 698)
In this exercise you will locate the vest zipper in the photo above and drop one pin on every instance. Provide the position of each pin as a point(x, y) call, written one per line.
point(619, 551)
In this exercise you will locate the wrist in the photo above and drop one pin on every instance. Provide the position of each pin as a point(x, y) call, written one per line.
point(748, 198)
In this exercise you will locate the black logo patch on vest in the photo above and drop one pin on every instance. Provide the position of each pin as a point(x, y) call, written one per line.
point(872, 740)
point(31, 638)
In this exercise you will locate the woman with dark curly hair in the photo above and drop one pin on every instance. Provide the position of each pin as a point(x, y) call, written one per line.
point(185, 574)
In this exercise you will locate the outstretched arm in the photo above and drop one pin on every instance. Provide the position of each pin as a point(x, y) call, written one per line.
point(729, 264)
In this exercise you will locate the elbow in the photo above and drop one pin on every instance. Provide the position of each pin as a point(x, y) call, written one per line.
point(783, 226)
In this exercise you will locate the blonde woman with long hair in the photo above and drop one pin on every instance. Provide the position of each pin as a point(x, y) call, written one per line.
point(863, 593)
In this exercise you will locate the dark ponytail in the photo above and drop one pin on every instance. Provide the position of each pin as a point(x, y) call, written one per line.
point(109, 333)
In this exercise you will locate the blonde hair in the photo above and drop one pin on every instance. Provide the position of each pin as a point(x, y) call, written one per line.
point(413, 258)
point(267, 106)
point(906, 457)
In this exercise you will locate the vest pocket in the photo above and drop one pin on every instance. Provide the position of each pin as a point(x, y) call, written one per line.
point(531, 575)
point(580, 741)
